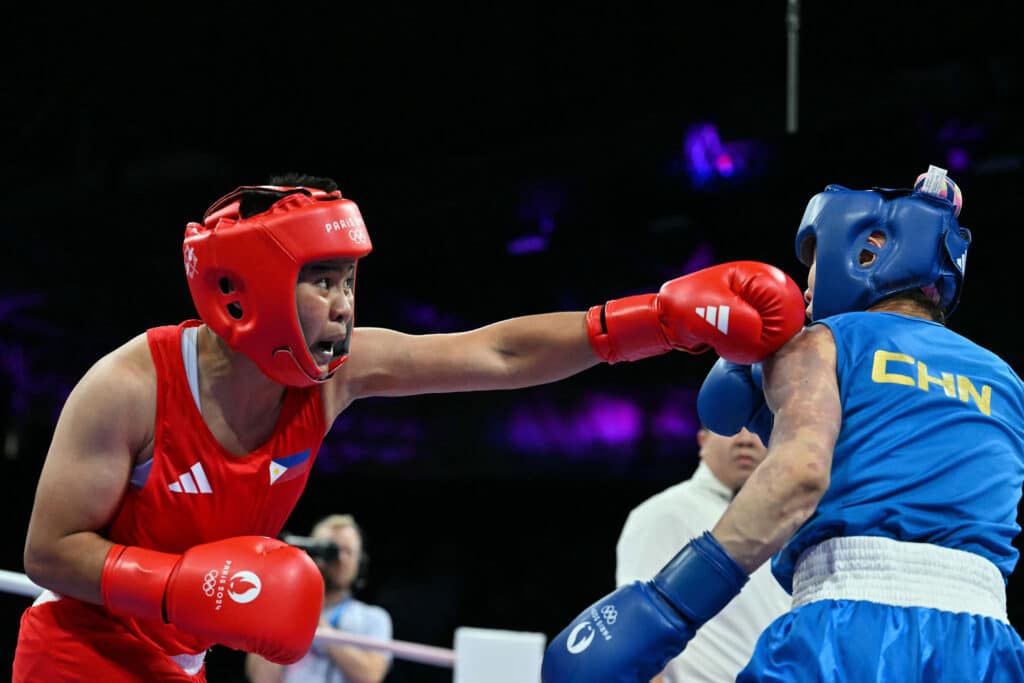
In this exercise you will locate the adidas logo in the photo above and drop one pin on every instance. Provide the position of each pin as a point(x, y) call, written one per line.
point(717, 316)
point(193, 481)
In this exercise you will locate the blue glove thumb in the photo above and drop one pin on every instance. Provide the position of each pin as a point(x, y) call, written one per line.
point(732, 397)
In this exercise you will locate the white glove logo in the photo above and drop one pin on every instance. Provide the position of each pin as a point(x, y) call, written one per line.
point(577, 646)
point(716, 316)
point(244, 587)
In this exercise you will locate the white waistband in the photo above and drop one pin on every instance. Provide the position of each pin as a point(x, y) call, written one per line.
point(897, 573)
point(46, 595)
point(190, 664)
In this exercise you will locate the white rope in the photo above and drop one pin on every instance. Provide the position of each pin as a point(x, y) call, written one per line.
point(15, 582)
point(425, 654)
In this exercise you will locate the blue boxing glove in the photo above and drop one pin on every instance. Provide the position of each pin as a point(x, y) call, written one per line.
point(629, 635)
point(732, 397)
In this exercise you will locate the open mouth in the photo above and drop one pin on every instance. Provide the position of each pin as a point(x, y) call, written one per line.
point(323, 352)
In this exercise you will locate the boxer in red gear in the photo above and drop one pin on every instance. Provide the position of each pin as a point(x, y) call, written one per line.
point(187, 490)
point(178, 456)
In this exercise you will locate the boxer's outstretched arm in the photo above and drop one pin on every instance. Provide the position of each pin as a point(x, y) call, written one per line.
point(744, 310)
point(105, 421)
point(514, 353)
point(783, 492)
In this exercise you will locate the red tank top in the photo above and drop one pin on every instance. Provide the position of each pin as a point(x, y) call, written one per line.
point(196, 491)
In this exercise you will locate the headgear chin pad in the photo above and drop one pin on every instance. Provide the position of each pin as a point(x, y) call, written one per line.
point(870, 244)
point(242, 272)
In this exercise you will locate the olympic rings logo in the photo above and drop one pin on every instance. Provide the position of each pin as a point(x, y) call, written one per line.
point(610, 614)
point(210, 583)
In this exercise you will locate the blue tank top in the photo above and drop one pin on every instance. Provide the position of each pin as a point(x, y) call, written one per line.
point(931, 447)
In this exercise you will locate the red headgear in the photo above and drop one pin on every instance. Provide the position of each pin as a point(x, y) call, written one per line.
point(242, 272)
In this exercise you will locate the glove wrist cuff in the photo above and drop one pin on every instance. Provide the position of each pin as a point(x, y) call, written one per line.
point(701, 579)
point(597, 334)
point(134, 581)
point(626, 329)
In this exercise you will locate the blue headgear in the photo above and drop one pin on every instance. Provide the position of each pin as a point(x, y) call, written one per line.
point(922, 244)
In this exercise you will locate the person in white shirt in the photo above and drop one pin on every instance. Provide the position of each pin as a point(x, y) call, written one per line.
point(658, 527)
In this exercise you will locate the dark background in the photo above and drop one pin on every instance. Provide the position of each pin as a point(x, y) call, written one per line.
point(462, 129)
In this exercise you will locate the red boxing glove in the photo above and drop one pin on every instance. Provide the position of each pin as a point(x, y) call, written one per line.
point(250, 593)
point(744, 310)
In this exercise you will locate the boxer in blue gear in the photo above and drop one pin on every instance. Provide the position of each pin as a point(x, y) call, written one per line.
point(903, 564)
point(887, 502)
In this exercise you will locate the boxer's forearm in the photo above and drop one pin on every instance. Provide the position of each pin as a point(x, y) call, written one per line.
point(776, 500)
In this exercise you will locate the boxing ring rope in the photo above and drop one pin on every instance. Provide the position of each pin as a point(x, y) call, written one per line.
point(13, 582)
point(477, 651)
point(425, 654)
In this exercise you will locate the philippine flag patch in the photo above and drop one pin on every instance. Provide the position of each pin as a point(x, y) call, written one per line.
point(289, 467)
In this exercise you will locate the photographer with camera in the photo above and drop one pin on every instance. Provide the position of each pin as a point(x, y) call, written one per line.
point(336, 545)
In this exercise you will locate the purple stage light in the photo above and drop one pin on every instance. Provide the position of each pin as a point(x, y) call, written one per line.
point(700, 145)
point(612, 420)
point(527, 244)
point(676, 418)
point(602, 421)
point(601, 426)
point(724, 165)
point(958, 139)
point(957, 159)
point(708, 158)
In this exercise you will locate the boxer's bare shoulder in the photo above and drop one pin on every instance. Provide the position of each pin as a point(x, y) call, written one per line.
point(119, 390)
